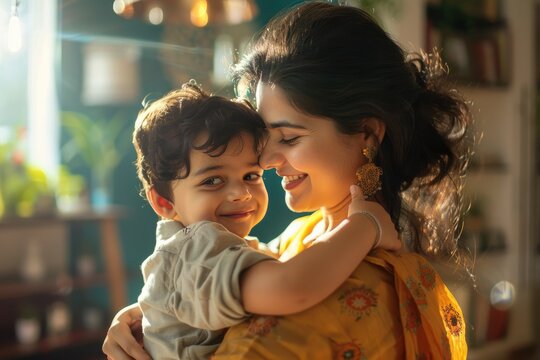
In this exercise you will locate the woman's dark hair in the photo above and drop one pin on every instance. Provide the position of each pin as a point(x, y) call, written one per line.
point(166, 130)
point(336, 62)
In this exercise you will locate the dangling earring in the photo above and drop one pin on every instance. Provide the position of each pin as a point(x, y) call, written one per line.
point(369, 174)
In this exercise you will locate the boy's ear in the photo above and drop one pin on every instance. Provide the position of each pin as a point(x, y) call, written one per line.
point(161, 206)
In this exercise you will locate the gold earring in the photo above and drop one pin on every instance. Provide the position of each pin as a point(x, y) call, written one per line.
point(369, 174)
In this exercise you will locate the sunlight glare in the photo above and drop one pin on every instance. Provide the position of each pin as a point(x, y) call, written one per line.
point(14, 34)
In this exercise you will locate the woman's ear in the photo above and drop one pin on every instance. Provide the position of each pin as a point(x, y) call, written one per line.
point(161, 206)
point(374, 127)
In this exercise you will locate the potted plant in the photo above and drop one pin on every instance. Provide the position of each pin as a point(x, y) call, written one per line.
point(71, 195)
point(100, 144)
point(24, 189)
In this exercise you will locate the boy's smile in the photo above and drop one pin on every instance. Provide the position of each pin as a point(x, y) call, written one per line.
point(227, 189)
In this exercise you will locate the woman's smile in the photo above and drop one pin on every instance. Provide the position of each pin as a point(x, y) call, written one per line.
point(292, 181)
point(316, 161)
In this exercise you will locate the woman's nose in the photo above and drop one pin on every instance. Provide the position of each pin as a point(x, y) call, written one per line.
point(270, 159)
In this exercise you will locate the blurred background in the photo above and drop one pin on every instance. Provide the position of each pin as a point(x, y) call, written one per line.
point(74, 229)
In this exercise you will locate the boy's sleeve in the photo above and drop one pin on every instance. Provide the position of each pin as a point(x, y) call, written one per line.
point(254, 243)
point(207, 284)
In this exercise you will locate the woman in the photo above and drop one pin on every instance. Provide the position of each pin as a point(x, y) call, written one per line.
point(344, 104)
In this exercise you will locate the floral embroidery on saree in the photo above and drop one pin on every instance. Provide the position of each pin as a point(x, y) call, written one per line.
point(358, 301)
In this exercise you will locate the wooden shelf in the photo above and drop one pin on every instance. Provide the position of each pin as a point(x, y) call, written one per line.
point(106, 220)
point(78, 344)
point(47, 345)
point(497, 349)
point(113, 212)
point(17, 289)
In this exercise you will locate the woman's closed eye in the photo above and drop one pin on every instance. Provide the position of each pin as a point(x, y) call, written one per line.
point(289, 141)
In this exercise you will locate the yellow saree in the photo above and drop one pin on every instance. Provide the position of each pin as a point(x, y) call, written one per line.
point(391, 307)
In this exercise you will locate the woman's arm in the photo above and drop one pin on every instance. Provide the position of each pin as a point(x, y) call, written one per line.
point(124, 337)
point(275, 288)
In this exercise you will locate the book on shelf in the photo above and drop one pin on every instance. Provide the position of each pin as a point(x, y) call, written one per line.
point(488, 323)
point(497, 323)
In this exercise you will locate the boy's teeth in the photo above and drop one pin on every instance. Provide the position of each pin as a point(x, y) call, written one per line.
point(292, 178)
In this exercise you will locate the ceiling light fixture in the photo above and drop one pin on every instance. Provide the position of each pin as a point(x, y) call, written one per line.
point(198, 13)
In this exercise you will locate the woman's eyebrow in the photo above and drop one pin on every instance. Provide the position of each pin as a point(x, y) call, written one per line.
point(285, 123)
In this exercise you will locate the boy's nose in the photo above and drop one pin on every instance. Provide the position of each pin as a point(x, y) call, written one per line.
point(240, 192)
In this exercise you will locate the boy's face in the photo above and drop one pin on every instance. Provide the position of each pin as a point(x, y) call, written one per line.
point(227, 189)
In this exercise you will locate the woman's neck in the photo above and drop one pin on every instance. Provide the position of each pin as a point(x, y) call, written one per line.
point(332, 216)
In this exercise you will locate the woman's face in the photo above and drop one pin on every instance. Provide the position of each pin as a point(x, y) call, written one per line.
point(317, 163)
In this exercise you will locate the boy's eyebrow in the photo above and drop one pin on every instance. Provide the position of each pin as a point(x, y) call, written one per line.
point(285, 123)
point(254, 164)
point(207, 169)
point(218, 167)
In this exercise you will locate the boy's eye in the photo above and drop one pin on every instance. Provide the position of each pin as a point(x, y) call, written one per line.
point(213, 181)
point(289, 141)
point(252, 177)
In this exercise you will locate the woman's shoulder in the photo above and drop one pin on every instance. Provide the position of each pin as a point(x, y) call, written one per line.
point(282, 242)
point(295, 225)
point(400, 259)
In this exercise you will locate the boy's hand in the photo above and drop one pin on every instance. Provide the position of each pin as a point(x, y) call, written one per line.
point(388, 237)
point(124, 337)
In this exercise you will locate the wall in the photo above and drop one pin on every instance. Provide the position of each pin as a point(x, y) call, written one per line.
point(505, 116)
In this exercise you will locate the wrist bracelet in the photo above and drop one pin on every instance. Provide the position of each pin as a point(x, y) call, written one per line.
point(375, 221)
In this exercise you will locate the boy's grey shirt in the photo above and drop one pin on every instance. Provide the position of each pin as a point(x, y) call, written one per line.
point(191, 291)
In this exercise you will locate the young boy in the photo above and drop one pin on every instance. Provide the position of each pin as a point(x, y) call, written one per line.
point(197, 158)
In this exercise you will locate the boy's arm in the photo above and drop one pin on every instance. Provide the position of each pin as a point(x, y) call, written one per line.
point(275, 288)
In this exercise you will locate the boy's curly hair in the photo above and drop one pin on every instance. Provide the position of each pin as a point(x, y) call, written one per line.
point(166, 129)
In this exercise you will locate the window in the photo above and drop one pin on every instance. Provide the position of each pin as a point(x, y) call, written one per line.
point(28, 96)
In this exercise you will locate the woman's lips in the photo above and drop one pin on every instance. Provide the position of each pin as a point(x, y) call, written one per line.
point(291, 182)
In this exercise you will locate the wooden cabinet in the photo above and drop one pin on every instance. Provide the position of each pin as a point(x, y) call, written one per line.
point(56, 280)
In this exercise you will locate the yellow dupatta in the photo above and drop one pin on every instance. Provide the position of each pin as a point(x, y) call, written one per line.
point(391, 307)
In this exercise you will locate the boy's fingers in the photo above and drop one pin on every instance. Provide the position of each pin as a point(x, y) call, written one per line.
point(137, 352)
point(122, 344)
point(116, 353)
point(136, 330)
point(356, 192)
point(130, 345)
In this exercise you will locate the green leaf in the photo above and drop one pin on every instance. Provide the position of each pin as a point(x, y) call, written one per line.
point(100, 143)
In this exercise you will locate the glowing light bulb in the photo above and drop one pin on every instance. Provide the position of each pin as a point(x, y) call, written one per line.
point(14, 41)
point(503, 295)
point(155, 15)
point(119, 6)
point(199, 14)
